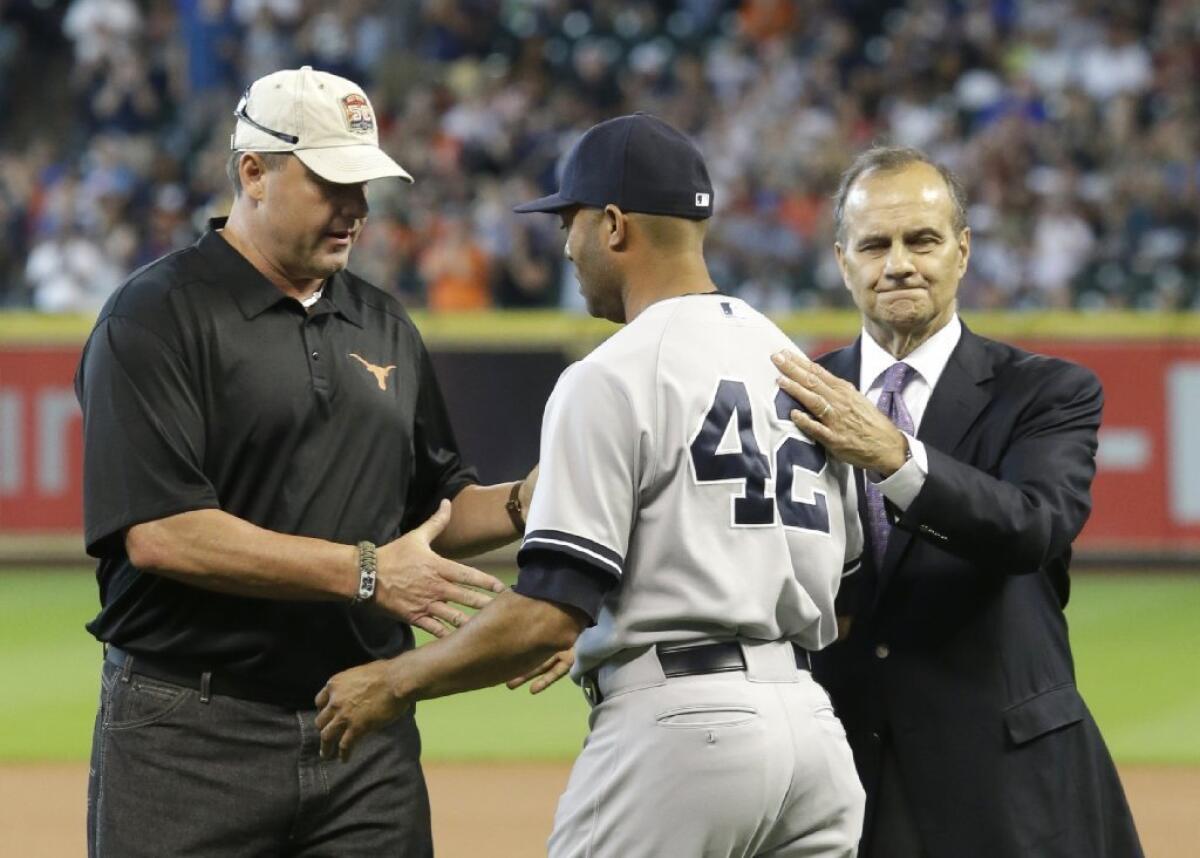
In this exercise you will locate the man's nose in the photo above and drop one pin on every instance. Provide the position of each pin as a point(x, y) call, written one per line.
point(353, 202)
point(899, 264)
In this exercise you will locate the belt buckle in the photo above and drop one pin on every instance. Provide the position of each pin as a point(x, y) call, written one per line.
point(591, 690)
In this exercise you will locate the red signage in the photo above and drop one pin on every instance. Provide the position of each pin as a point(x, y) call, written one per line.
point(1146, 494)
point(1147, 490)
point(41, 463)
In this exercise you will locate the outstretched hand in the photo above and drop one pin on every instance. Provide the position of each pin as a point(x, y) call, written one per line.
point(840, 418)
point(547, 673)
point(354, 703)
point(420, 587)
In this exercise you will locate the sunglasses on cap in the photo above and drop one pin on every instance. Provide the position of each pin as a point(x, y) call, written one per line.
point(240, 113)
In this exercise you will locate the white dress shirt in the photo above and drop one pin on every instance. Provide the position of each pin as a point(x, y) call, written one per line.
point(928, 360)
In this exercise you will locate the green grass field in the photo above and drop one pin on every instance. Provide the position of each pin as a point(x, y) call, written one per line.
point(1134, 637)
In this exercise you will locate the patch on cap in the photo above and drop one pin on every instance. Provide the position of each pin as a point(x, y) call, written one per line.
point(359, 118)
point(701, 199)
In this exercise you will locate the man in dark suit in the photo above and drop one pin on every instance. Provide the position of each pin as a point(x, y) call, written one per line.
point(955, 679)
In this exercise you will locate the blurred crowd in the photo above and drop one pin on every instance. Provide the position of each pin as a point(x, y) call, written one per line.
point(1074, 125)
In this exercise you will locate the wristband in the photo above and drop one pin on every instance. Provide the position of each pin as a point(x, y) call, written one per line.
point(514, 509)
point(366, 573)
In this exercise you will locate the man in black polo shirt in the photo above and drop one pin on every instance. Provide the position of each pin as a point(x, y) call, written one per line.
point(256, 421)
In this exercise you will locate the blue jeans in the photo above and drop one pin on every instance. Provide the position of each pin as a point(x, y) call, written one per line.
point(174, 774)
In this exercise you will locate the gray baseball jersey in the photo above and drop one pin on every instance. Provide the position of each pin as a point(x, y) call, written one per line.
point(669, 462)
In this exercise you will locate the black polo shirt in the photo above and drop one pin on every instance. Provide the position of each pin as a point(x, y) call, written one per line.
point(204, 387)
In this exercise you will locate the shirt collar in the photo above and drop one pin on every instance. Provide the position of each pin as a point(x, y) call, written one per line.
point(340, 296)
point(253, 292)
point(929, 359)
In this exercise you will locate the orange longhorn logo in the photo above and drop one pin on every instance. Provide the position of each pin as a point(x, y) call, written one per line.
point(380, 372)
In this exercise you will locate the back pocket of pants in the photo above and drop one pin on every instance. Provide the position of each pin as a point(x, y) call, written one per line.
point(706, 715)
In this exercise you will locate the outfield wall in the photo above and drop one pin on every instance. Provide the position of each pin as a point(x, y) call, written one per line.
point(497, 369)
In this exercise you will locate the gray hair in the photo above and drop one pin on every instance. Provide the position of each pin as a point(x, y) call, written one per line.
point(271, 161)
point(887, 159)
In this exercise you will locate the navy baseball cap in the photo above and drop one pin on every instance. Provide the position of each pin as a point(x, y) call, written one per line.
point(637, 163)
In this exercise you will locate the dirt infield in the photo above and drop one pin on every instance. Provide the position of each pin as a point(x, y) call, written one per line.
point(504, 810)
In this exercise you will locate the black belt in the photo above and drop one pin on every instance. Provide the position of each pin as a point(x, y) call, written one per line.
point(207, 681)
point(691, 659)
point(694, 659)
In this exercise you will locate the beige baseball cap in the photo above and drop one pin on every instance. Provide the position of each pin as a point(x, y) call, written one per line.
point(324, 119)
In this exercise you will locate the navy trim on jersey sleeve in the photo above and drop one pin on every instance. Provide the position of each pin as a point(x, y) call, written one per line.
point(852, 566)
point(555, 576)
point(592, 553)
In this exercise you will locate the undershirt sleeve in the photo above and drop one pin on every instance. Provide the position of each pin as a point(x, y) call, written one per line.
point(554, 576)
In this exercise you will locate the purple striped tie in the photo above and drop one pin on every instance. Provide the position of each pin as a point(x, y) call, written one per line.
point(892, 404)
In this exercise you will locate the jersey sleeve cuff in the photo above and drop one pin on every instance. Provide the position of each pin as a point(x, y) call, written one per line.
point(563, 578)
point(591, 553)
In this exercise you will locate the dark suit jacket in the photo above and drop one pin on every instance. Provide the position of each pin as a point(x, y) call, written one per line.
point(958, 654)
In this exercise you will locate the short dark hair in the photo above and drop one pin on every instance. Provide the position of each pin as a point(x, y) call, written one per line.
point(271, 161)
point(889, 158)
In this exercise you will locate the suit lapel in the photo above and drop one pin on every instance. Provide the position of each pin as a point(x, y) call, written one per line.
point(960, 395)
point(845, 363)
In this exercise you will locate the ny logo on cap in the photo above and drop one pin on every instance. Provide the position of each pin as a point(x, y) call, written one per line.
point(701, 200)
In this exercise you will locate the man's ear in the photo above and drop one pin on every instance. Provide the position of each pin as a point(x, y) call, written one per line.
point(252, 172)
point(964, 250)
point(616, 225)
point(839, 253)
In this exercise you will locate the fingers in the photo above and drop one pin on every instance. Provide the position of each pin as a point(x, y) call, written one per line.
point(325, 715)
point(432, 626)
point(547, 673)
point(794, 365)
point(817, 404)
point(356, 702)
point(337, 737)
point(518, 681)
point(328, 722)
point(828, 378)
point(457, 573)
point(800, 369)
point(330, 736)
point(786, 356)
point(440, 619)
point(448, 614)
point(551, 676)
point(347, 742)
point(790, 357)
point(810, 392)
point(801, 382)
point(814, 429)
point(465, 597)
point(432, 527)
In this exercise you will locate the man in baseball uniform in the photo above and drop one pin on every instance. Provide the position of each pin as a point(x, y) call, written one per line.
point(686, 528)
